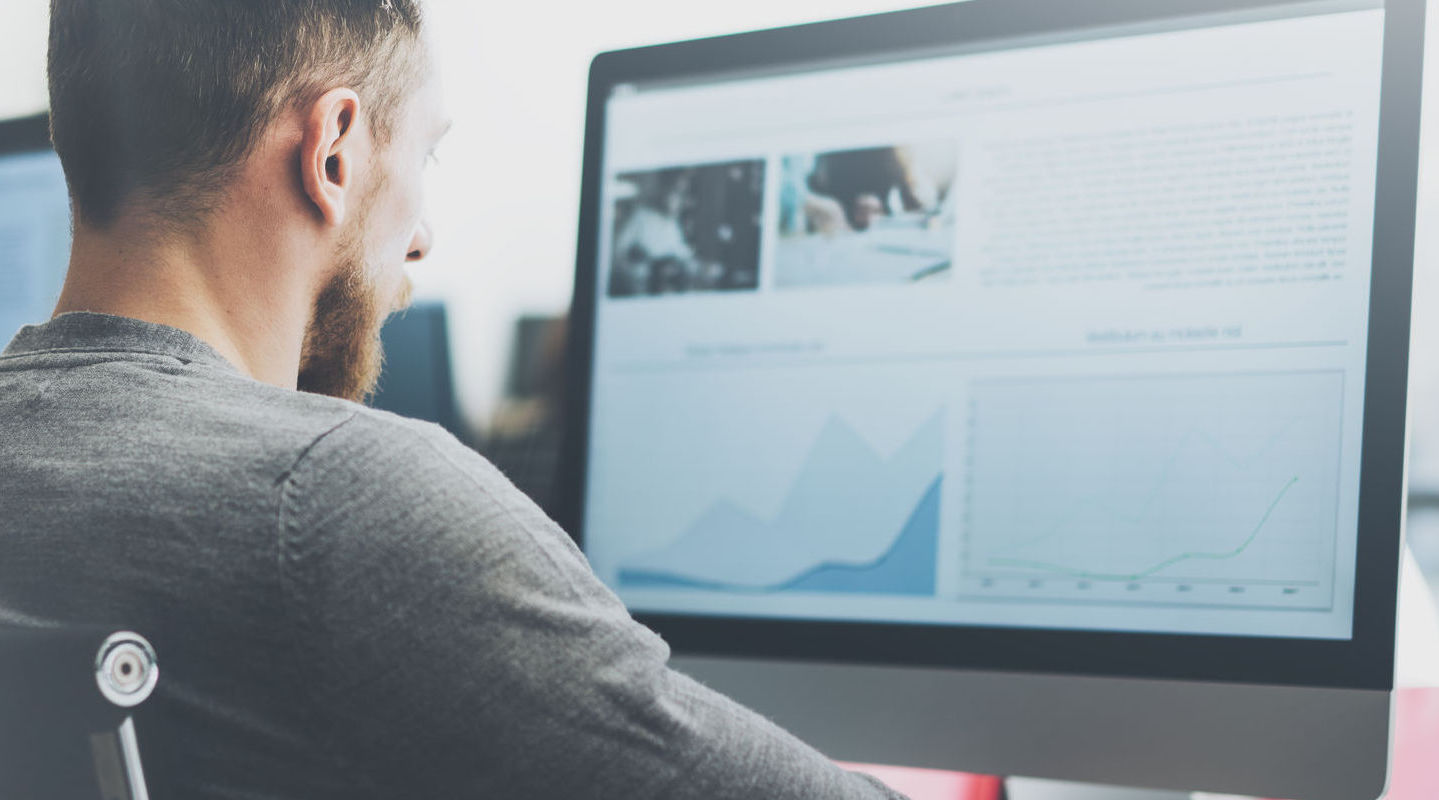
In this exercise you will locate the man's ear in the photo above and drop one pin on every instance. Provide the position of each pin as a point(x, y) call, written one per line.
point(328, 152)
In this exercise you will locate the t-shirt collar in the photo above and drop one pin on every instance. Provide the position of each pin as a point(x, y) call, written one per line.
point(86, 331)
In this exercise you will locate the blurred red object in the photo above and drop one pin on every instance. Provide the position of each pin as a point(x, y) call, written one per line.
point(1414, 774)
point(933, 784)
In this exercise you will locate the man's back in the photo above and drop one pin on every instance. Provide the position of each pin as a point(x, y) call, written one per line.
point(139, 481)
point(345, 603)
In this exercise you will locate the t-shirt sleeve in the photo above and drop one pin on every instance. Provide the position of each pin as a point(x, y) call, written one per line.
point(456, 644)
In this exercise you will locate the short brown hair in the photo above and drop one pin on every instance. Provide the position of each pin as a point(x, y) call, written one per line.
point(160, 100)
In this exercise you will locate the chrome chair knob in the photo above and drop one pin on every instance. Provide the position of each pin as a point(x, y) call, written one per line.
point(126, 669)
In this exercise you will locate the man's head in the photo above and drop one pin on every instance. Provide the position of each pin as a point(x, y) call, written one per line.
point(310, 120)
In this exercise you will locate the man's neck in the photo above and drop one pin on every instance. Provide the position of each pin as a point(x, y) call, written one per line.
point(225, 288)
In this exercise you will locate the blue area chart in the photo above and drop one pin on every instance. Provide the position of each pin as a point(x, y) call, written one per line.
point(853, 523)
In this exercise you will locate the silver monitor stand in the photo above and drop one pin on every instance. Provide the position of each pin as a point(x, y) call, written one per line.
point(1035, 789)
point(1276, 741)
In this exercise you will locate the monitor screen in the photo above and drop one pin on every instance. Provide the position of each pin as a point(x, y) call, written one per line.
point(34, 236)
point(1063, 331)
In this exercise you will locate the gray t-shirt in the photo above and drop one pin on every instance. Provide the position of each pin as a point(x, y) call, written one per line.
point(346, 604)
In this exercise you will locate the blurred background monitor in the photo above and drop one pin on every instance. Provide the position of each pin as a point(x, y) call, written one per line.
point(416, 381)
point(34, 224)
point(522, 437)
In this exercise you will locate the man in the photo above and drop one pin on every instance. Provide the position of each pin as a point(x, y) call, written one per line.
point(346, 604)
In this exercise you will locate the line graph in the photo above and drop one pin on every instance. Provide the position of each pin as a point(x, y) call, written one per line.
point(1203, 488)
point(1192, 436)
point(853, 522)
point(1166, 563)
point(906, 568)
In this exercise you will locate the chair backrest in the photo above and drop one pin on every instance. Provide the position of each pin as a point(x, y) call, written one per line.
point(66, 697)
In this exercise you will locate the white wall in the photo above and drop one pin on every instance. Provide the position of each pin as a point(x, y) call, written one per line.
point(1424, 355)
point(22, 56)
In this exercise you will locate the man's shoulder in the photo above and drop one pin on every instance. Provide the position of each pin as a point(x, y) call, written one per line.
point(377, 488)
point(329, 440)
point(374, 456)
point(342, 430)
point(294, 421)
point(276, 425)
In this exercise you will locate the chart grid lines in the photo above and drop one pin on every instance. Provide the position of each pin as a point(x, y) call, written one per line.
point(1145, 475)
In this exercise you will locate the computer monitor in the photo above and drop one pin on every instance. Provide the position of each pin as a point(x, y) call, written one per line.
point(416, 380)
point(34, 225)
point(1014, 386)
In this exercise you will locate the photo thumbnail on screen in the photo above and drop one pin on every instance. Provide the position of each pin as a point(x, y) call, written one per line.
point(870, 215)
point(687, 229)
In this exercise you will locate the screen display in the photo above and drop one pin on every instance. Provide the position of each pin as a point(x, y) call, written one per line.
point(34, 239)
point(1063, 332)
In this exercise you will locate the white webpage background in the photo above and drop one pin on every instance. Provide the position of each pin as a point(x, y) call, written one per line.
point(1187, 106)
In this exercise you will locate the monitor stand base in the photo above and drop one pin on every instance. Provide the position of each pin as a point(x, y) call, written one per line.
point(1035, 789)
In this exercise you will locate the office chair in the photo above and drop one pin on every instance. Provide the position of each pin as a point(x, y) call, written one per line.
point(66, 696)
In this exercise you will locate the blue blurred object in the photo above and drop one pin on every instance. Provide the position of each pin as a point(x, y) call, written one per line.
point(34, 224)
point(417, 381)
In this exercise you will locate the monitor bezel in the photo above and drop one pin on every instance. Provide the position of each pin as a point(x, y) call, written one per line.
point(25, 134)
point(1363, 662)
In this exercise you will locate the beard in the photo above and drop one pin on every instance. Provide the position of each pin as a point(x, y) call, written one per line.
point(342, 355)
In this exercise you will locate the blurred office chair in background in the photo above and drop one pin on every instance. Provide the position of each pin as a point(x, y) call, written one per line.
point(524, 435)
